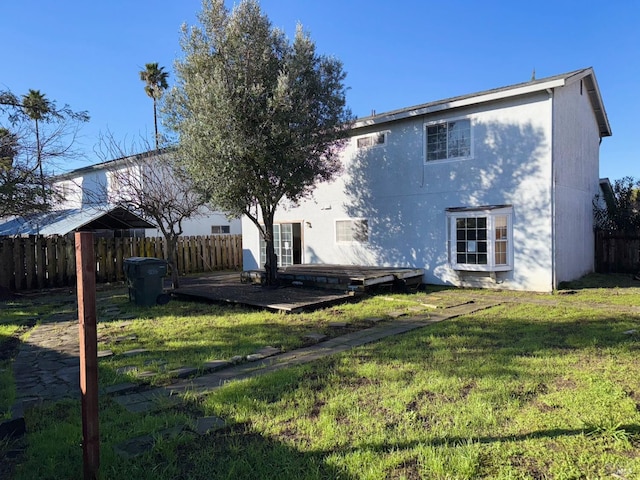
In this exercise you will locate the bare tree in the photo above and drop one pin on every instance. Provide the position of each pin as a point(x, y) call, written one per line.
point(153, 185)
point(36, 134)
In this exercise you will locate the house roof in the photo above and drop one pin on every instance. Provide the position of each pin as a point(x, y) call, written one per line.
point(114, 163)
point(61, 222)
point(518, 89)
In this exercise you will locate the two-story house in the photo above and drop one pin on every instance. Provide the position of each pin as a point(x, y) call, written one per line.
point(492, 189)
point(103, 197)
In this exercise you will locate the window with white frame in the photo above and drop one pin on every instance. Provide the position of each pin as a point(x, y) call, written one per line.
point(480, 239)
point(352, 231)
point(372, 140)
point(220, 229)
point(448, 140)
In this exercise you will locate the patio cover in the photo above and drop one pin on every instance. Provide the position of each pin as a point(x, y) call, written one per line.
point(61, 222)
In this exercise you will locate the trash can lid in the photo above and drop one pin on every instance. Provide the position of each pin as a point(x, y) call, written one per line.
point(144, 260)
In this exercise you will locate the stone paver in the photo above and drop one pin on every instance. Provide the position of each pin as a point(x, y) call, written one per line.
point(315, 337)
point(206, 425)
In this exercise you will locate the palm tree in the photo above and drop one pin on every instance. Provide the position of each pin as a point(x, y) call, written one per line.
point(156, 83)
point(37, 107)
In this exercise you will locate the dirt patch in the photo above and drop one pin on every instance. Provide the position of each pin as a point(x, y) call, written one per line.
point(409, 470)
point(565, 384)
point(315, 410)
point(530, 466)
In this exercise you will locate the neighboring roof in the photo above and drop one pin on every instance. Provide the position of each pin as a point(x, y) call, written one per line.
point(503, 92)
point(116, 162)
point(61, 222)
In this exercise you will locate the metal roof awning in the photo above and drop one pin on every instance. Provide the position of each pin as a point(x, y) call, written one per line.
point(61, 222)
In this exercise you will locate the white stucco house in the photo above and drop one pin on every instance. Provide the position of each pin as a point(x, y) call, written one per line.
point(492, 189)
point(102, 185)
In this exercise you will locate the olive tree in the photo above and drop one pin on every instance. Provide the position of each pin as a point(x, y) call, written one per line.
point(260, 119)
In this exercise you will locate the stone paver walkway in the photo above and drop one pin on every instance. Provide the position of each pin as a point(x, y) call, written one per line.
point(47, 365)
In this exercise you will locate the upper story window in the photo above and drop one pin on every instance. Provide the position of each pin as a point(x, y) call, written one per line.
point(372, 140)
point(220, 229)
point(448, 140)
point(480, 239)
point(352, 231)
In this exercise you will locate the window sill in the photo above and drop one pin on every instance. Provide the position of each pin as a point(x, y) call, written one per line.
point(482, 268)
point(447, 160)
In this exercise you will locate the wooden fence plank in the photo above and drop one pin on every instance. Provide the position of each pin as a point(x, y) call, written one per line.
point(617, 252)
point(38, 262)
point(6, 263)
point(51, 262)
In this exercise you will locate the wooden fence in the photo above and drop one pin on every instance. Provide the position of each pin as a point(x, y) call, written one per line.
point(42, 262)
point(617, 252)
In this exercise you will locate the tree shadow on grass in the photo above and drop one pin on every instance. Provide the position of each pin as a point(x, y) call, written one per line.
point(602, 280)
point(240, 453)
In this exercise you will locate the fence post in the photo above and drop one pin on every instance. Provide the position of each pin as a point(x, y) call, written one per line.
point(87, 319)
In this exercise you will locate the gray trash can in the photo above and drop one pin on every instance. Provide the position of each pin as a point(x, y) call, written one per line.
point(145, 280)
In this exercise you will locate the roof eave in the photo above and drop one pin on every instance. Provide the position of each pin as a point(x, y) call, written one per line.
point(585, 74)
point(463, 102)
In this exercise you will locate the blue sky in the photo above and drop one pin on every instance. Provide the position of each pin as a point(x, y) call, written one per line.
point(397, 54)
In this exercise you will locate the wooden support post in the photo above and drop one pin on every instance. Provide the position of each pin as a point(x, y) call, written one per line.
point(86, 275)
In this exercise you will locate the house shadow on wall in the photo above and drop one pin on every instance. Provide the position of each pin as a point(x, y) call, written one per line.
point(404, 199)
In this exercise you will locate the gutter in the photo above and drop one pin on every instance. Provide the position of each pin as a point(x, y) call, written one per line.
point(554, 275)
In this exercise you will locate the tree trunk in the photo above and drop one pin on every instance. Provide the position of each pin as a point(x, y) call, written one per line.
point(155, 122)
point(172, 244)
point(39, 160)
point(271, 265)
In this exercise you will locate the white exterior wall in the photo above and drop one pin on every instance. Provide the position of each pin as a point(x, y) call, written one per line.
point(404, 199)
point(201, 225)
point(576, 161)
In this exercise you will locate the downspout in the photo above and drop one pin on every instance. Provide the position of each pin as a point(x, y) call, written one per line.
point(554, 283)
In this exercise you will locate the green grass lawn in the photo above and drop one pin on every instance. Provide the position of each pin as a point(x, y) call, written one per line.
point(541, 386)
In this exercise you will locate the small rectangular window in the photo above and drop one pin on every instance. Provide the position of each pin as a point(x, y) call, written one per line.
point(448, 140)
point(220, 229)
point(352, 231)
point(371, 140)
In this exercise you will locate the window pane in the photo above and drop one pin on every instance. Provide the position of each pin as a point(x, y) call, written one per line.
point(482, 247)
point(482, 259)
point(364, 142)
point(461, 258)
point(343, 231)
point(352, 231)
point(471, 223)
point(461, 247)
point(361, 231)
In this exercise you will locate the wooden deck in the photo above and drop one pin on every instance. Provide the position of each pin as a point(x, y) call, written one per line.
point(303, 287)
point(227, 288)
point(352, 278)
